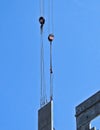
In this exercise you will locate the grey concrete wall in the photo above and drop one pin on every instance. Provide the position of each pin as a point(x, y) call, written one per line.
point(87, 111)
point(45, 117)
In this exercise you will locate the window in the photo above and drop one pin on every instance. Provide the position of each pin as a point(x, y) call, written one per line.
point(96, 123)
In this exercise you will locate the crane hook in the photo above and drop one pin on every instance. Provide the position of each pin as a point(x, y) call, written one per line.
point(51, 37)
point(42, 22)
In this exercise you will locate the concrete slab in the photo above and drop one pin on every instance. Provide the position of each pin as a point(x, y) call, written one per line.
point(45, 117)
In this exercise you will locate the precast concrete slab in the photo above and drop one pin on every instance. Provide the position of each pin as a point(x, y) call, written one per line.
point(45, 117)
point(87, 111)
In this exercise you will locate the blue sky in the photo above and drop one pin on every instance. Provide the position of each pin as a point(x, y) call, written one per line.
point(76, 60)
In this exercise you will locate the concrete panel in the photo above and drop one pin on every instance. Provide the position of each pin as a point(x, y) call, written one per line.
point(45, 117)
point(87, 111)
point(88, 115)
point(88, 103)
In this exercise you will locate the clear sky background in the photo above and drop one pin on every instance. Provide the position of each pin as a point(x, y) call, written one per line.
point(76, 60)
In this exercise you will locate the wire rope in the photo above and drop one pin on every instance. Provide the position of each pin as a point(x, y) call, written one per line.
point(50, 38)
point(51, 73)
point(42, 7)
point(42, 67)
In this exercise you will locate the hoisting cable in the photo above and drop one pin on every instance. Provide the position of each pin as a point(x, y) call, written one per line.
point(41, 7)
point(51, 38)
point(41, 19)
point(50, 17)
point(51, 73)
point(43, 85)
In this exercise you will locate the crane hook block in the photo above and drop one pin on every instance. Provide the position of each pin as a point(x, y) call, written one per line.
point(41, 20)
point(51, 37)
